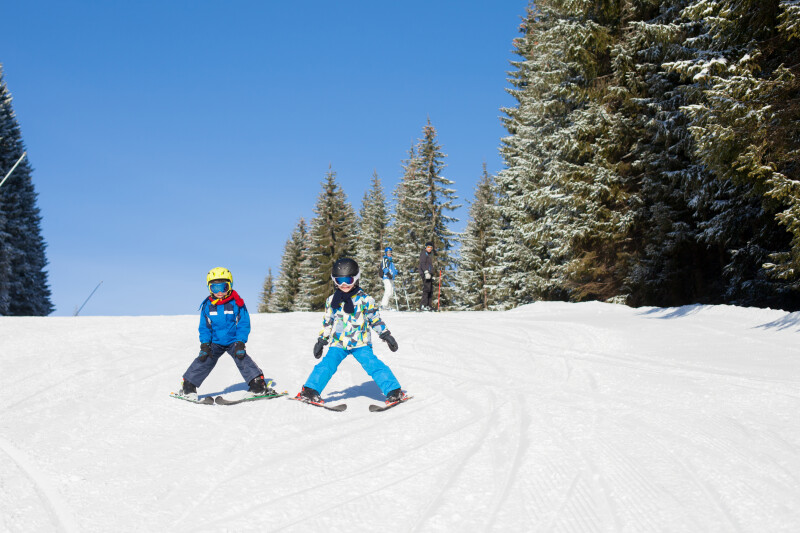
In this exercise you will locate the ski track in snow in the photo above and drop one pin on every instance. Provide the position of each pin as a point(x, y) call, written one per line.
point(551, 417)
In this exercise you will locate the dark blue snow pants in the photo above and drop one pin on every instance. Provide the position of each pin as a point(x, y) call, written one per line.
point(199, 370)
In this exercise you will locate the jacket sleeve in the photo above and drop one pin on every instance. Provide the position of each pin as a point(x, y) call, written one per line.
point(205, 325)
point(243, 325)
point(373, 316)
point(327, 320)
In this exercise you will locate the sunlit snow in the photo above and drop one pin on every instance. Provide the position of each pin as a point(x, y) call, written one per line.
point(550, 417)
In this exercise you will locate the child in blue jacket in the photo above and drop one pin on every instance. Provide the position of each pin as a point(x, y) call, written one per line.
point(350, 313)
point(224, 327)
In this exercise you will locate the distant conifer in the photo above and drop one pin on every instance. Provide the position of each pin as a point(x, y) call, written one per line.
point(372, 238)
point(332, 235)
point(24, 289)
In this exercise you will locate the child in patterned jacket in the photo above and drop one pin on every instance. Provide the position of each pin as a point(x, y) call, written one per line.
point(350, 313)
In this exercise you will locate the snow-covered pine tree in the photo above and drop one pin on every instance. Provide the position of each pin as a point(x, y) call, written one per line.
point(668, 265)
point(744, 120)
point(23, 281)
point(332, 235)
point(287, 288)
point(267, 296)
point(404, 238)
point(519, 248)
point(475, 282)
point(438, 200)
point(565, 202)
point(373, 226)
point(307, 277)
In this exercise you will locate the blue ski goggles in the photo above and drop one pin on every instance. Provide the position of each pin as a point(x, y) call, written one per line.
point(221, 286)
point(346, 280)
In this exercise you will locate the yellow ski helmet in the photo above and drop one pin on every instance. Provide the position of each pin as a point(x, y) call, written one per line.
point(219, 273)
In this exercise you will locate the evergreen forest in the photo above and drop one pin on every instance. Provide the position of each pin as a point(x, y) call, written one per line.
point(652, 157)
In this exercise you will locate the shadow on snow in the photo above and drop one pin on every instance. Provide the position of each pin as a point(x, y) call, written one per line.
point(369, 389)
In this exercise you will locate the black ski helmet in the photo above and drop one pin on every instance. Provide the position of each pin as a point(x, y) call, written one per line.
point(344, 267)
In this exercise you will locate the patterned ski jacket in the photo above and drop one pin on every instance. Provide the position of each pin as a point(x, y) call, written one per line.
point(225, 323)
point(352, 330)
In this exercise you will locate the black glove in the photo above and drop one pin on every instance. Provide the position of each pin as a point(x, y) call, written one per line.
point(319, 346)
point(388, 339)
point(205, 351)
point(389, 275)
point(238, 350)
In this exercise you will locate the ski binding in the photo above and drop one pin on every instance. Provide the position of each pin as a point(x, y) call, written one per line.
point(219, 400)
point(378, 408)
point(208, 400)
point(339, 408)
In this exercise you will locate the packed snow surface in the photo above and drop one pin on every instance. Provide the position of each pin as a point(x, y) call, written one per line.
point(551, 417)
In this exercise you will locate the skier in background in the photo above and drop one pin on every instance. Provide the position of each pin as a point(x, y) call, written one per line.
point(224, 327)
point(350, 313)
point(426, 271)
point(388, 272)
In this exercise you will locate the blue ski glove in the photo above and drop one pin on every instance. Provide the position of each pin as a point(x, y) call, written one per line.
point(388, 339)
point(205, 351)
point(319, 346)
point(238, 350)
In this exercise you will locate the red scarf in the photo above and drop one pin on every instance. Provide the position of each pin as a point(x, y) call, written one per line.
point(232, 296)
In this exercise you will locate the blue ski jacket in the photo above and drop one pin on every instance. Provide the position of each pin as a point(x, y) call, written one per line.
point(225, 323)
point(388, 268)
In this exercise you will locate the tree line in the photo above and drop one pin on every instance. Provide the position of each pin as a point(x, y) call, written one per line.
point(652, 158)
point(423, 203)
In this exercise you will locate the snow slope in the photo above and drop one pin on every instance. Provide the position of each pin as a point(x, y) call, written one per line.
point(550, 417)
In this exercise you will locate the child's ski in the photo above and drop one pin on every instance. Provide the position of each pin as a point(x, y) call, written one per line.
point(341, 407)
point(208, 400)
point(379, 408)
point(222, 401)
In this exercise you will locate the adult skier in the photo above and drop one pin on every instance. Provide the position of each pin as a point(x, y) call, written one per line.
point(350, 314)
point(426, 271)
point(224, 327)
point(388, 272)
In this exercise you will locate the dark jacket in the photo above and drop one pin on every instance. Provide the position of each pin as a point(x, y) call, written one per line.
point(425, 263)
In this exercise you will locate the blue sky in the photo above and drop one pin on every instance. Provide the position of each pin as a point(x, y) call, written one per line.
point(168, 138)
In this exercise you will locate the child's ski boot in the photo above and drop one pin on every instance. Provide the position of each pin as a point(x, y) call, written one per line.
point(258, 387)
point(188, 390)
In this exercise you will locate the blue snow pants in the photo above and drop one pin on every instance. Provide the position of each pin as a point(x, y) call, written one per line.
point(199, 370)
point(377, 369)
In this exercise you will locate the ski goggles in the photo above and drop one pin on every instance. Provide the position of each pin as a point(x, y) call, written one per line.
point(346, 280)
point(221, 286)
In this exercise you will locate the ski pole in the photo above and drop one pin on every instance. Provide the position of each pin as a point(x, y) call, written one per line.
point(439, 296)
point(12, 168)
point(394, 292)
point(87, 299)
